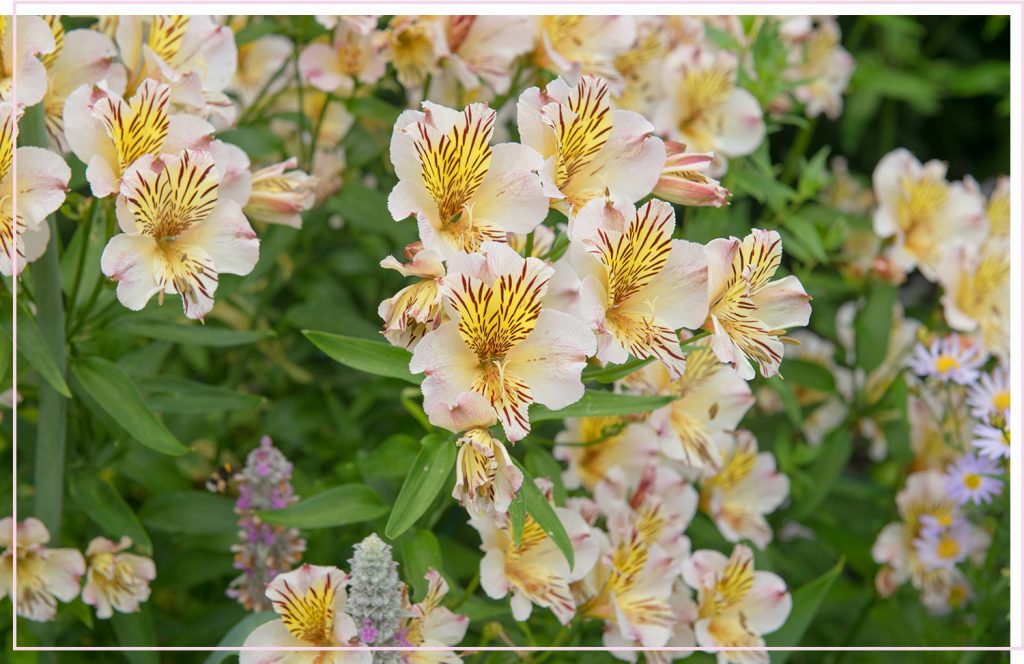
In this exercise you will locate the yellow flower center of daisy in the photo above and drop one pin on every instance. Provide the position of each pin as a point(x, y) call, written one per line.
point(948, 548)
point(957, 595)
point(946, 363)
point(972, 481)
point(1001, 400)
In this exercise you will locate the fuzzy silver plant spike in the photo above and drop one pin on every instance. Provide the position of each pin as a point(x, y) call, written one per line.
point(375, 596)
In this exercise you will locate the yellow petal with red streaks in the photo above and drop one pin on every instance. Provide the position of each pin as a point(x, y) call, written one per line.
point(137, 128)
point(180, 195)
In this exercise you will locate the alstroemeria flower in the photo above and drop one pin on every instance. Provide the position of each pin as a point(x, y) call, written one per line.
point(116, 580)
point(592, 446)
point(926, 215)
point(110, 134)
point(823, 66)
point(704, 109)
point(83, 57)
point(462, 190)
point(416, 309)
point(34, 40)
point(976, 297)
point(736, 605)
point(574, 45)
point(415, 45)
point(639, 285)
point(745, 488)
point(431, 625)
point(354, 55)
point(485, 477)
point(194, 55)
point(177, 235)
point(501, 346)
point(280, 193)
point(482, 50)
point(711, 399)
point(590, 151)
point(684, 182)
point(44, 575)
point(535, 571)
point(42, 183)
point(640, 66)
point(311, 603)
point(748, 312)
point(258, 62)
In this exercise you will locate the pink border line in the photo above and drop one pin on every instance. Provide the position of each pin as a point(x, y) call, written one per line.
point(456, 649)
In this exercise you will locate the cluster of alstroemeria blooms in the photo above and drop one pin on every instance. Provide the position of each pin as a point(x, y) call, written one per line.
point(507, 310)
point(137, 100)
point(323, 606)
point(959, 416)
point(114, 579)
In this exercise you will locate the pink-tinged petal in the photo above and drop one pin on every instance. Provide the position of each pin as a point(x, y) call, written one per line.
point(85, 134)
point(492, 574)
point(188, 132)
point(130, 260)
point(522, 607)
point(720, 254)
point(227, 238)
point(271, 634)
point(744, 128)
point(767, 605)
point(34, 38)
point(632, 159)
point(33, 242)
point(892, 170)
point(101, 176)
point(63, 569)
point(42, 181)
point(510, 196)
point(450, 368)
point(783, 304)
point(702, 568)
point(32, 531)
point(234, 180)
point(469, 410)
point(551, 359)
point(319, 65)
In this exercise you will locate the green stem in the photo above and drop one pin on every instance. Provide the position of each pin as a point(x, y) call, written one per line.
point(51, 431)
point(797, 150)
point(300, 92)
point(316, 131)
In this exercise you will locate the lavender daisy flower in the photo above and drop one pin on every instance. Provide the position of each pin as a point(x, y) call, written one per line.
point(990, 396)
point(948, 360)
point(992, 441)
point(943, 548)
point(971, 478)
point(265, 550)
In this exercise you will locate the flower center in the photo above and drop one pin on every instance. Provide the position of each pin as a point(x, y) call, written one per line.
point(946, 363)
point(310, 617)
point(1001, 400)
point(948, 548)
point(972, 481)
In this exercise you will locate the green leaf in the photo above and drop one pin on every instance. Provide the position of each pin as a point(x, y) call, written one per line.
point(104, 505)
point(428, 474)
point(136, 629)
point(118, 395)
point(601, 402)
point(544, 514)
point(517, 517)
point(809, 374)
point(614, 372)
point(170, 394)
point(255, 30)
point(836, 451)
point(375, 357)
point(390, 459)
point(190, 512)
point(33, 348)
point(338, 506)
point(366, 209)
point(375, 108)
point(420, 552)
point(872, 326)
point(789, 400)
point(237, 635)
point(197, 335)
point(806, 601)
point(540, 462)
point(806, 234)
